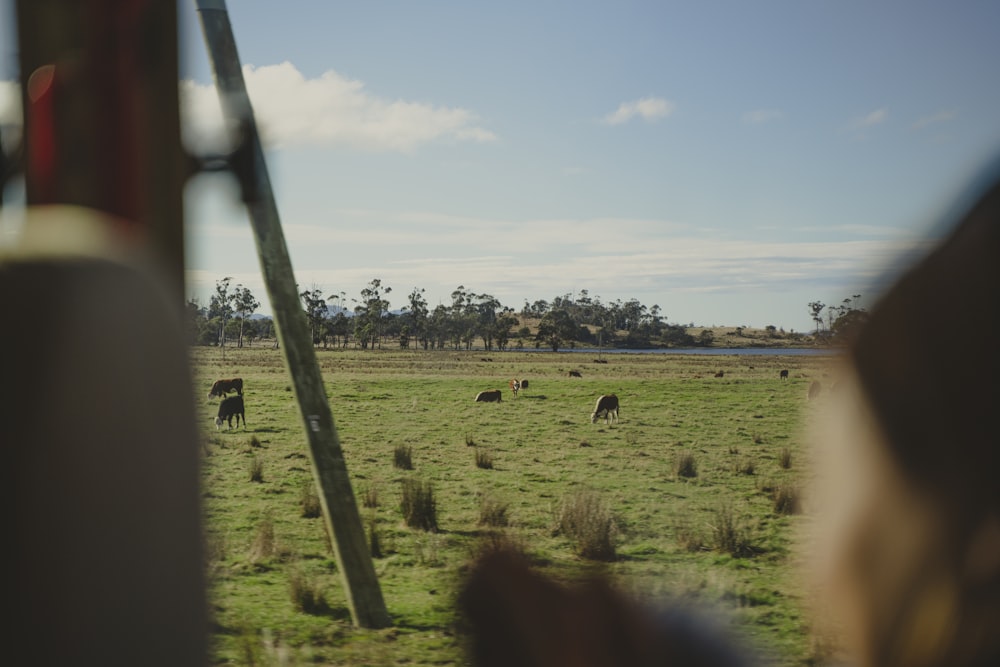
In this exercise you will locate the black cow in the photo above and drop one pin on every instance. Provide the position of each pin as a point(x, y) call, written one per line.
point(783, 375)
point(229, 408)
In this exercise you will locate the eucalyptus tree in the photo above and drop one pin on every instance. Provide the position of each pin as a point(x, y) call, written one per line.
point(315, 307)
point(220, 307)
point(556, 328)
point(244, 305)
point(369, 313)
point(416, 315)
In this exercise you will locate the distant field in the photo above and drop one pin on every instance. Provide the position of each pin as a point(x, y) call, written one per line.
point(742, 432)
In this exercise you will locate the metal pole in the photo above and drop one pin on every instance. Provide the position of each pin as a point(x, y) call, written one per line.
point(339, 505)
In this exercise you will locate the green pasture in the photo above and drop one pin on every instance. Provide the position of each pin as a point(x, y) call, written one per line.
point(719, 532)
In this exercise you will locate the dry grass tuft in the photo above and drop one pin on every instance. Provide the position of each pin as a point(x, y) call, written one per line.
point(369, 496)
point(785, 458)
point(418, 505)
point(484, 459)
point(786, 499)
point(263, 546)
point(374, 538)
point(402, 457)
point(493, 512)
point(311, 507)
point(685, 465)
point(731, 534)
point(307, 593)
point(256, 466)
point(587, 522)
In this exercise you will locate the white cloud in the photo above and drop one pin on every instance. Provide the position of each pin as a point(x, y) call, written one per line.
point(874, 118)
point(292, 110)
point(940, 117)
point(759, 116)
point(647, 108)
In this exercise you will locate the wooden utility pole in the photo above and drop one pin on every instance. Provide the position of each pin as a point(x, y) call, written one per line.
point(340, 508)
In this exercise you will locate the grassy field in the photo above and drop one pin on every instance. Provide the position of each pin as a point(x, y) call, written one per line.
point(698, 481)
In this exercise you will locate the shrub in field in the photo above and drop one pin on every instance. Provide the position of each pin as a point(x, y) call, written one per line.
point(484, 458)
point(418, 505)
point(311, 508)
point(731, 534)
point(469, 442)
point(306, 593)
point(256, 466)
point(403, 457)
point(493, 512)
point(785, 458)
point(254, 442)
point(786, 499)
point(587, 522)
point(685, 465)
point(758, 439)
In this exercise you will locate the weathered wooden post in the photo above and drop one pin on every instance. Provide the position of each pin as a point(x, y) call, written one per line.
point(336, 496)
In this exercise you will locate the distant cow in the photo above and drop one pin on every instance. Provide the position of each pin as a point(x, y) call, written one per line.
point(607, 407)
point(229, 408)
point(783, 375)
point(223, 387)
point(515, 385)
point(720, 374)
point(490, 396)
point(524, 384)
point(575, 374)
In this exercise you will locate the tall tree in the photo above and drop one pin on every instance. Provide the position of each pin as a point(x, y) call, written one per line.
point(555, 328)
point(370, 311)
point(416, 316)
point(221, 307)
point(244, 305)
point(815, 308)
point(315, 307)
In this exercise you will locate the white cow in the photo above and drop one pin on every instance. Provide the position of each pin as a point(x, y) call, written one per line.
point(607, 407)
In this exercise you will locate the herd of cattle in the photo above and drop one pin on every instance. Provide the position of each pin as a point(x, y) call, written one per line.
point(607, 406)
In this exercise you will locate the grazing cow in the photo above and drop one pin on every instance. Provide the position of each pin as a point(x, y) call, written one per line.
point(720, 374)
point(814, 389)
point(490, 396)
point(783, 374)
point(575, 374)
point(524, 384)
point(223, 387)
point(229, 408)
point(515, 385)
point(607, 407)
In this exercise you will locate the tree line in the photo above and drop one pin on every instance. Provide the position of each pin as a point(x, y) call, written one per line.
point(370, 322)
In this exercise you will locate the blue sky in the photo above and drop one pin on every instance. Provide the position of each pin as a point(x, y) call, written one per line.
point(728, 161)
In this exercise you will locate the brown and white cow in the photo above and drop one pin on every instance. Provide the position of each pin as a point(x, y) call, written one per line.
point(607, 407)
point(223, 387)
point(515, 386)
point(490, 396)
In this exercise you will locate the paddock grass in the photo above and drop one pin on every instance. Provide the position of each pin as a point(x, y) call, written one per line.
point(718, 538)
